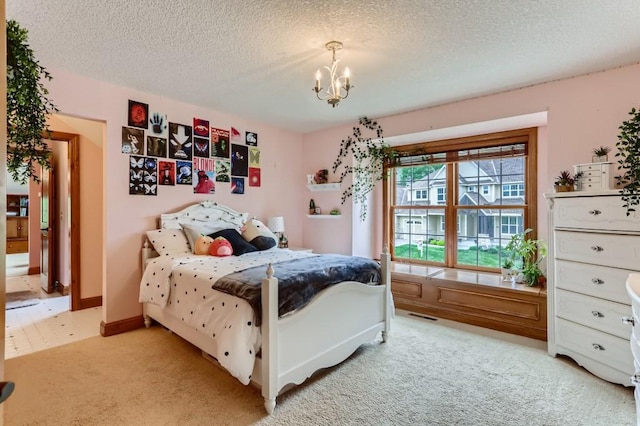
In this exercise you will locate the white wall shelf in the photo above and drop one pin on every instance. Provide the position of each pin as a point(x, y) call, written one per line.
point(324, 187)
point(324, 216)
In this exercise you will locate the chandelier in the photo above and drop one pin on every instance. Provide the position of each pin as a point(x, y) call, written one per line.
point(339, 87)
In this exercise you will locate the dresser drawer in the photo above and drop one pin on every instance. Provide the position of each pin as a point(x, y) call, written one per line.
point(592, 312)
point(592, 168)
point(594, 213)
point(589, 186)
point(593, 280)
point(17, 246)
point(619, 251)
point(597, 345)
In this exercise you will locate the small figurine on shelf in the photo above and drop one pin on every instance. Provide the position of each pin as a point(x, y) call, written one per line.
point(322, 176)
point(312, 207)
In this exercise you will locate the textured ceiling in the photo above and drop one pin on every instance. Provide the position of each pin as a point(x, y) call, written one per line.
point(257, 58)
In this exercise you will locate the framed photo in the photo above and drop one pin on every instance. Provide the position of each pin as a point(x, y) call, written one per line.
point(201, 128)
point(254, 177)
point(183, 173)
point(138, 114)
point(132, 141)
point(237, 185)
point(156, 147)
point(158, 125)
point(251, 138)
point(180, 141)
point(239, 160)
point(167, 173)
point(219, 143)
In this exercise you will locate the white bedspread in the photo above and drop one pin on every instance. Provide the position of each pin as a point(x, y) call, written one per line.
point(182, 285)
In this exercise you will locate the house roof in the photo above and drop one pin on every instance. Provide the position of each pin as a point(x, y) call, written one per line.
point(257, 59)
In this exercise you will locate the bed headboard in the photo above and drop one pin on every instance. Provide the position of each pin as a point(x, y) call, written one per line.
point(204, 213)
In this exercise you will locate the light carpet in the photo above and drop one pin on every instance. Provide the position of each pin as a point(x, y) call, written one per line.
point(428, 373)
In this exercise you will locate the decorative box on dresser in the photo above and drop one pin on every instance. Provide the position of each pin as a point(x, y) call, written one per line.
point(593, 247)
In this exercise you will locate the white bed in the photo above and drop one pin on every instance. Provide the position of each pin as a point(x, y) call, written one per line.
point(322, 334)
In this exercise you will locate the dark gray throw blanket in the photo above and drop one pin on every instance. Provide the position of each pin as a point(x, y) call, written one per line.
point(299, 280)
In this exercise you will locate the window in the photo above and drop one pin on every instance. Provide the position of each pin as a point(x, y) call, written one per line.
point(513, 190)
point(465, 228)
point(511, 225)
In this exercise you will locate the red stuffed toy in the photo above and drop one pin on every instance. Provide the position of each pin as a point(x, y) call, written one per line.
point(220, 247)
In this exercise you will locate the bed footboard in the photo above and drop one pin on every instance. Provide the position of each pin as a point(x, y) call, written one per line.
point(323, 334)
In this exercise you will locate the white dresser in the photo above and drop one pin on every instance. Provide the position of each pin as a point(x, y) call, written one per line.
point(593, 247)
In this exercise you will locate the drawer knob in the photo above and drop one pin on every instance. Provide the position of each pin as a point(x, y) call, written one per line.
point(597, 314)
point(594, 212)
point(596, 248)
point(629, 320)
point(597, 281)
point(598, 346)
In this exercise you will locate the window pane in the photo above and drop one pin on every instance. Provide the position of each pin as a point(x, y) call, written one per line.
point(511, 222)
point(477, 242)
point(418, 234)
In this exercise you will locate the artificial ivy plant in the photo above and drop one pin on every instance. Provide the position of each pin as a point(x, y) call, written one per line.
point(629, 153)
point(27, 107)
point(370, 159)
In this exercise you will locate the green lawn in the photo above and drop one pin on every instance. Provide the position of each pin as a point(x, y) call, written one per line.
point(436, 254)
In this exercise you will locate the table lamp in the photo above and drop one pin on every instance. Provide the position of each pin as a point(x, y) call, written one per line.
point(276, 225)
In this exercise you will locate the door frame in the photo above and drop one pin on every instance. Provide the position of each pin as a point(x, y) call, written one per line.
point(74, 232)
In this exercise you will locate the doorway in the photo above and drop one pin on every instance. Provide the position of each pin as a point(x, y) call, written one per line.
point(62, 319)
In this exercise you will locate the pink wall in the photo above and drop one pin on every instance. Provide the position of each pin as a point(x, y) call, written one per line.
point(127, 217)
point(583, 113)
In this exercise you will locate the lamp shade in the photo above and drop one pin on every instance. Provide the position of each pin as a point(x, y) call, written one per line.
point(276, 224)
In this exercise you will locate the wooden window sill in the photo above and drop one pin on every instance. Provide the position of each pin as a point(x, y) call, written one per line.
point(398, 269)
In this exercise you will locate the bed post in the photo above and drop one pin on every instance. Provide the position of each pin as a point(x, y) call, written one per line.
point(270, 340)
point(146, 253)
point(386, 279)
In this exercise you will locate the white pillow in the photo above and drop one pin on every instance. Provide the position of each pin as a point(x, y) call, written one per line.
point(194, 231)
point(169, 241)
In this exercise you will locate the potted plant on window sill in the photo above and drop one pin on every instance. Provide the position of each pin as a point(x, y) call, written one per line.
point(526, 253)
point(509, 273)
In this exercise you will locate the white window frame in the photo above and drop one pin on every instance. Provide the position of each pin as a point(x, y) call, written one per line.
point(512, 190)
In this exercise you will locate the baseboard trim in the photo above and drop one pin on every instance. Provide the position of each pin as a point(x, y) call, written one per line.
point(33, 270)
point(90, 302)
point(64, 290)
point(122, 326)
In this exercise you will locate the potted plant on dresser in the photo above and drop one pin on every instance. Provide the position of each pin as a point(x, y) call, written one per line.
point(601, 154)
point(565, 181)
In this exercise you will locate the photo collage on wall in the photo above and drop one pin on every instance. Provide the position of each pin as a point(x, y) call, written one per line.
point(197, 154)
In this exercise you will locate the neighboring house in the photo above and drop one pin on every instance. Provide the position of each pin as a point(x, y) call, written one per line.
point(497, 182)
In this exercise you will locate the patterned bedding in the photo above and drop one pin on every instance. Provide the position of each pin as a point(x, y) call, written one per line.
point(197, 290)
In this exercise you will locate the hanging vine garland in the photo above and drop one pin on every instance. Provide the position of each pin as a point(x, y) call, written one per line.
point(27, 107)
point(629, 152)
point(370, 159)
